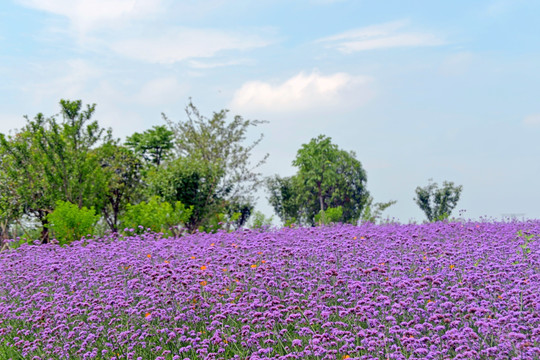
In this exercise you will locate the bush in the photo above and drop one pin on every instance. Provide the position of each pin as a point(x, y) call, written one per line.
point(330, 215)
point(259, 220)
point(156, 215)
point(68, 222)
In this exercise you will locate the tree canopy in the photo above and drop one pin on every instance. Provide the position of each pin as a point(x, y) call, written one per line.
point(327, 177)
point(438, 203)
point(51, 160)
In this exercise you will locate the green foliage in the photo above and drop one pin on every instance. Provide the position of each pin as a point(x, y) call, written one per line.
point(157, 215)
point(122, 170)
point(524, 248)
point(327, 177)
point(259, 221)
point(215, 141)
point(373, 212)
point(153, 145)
point(68, 222)
point(437, 203)
point(193, 183)
point(49, 161)
point(329, 216)
point(283, 198)
point(220, 221)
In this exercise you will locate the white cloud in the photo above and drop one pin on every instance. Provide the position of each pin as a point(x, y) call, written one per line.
point(304, 91)
point(184, 43)
point(210, 65)
point(532, 120)
point(87, 14)
point(162, 91)
point(383, 36)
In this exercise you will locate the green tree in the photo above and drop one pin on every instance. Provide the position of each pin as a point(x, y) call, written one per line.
point(438, 203)
point(220, 142)
point(372, 211)
point(329, 177)
point(192, 182)
point(122, 169)
point(49, 161)
point(284, 198)
point(259, 221)
point(153, 145)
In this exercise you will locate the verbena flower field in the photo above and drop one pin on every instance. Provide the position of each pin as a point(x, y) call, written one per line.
point(436, 291)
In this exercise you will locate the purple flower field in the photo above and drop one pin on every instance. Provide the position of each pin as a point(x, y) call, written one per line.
point(435, 291)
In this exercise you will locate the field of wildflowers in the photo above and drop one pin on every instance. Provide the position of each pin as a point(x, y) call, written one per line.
point(435, 291)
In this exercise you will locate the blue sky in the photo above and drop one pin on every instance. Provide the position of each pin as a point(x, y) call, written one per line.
point(447, 90)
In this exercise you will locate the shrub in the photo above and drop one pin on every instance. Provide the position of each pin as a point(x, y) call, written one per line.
point(68, 222)
point(330, 215)
point(156, 215)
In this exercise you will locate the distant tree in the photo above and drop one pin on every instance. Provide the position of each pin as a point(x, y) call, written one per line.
point(49, 161)
point(327, 177)
point(219, 142)
point(437, 203)
point(192, 182)
point(122, 169)
point(153, 145)
point(284, 198)
point(259, 221)
point(372, 211)
point(330, 177)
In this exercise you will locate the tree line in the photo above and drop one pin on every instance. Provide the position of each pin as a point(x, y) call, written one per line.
point(65, 177)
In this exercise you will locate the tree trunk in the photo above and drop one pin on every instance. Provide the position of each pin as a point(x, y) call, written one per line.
point(44, 230)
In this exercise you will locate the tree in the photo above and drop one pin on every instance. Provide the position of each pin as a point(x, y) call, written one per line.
point(123, 175)
point(327, 177)
point(284, 198)
point(153, 145)
point(437, 203)
point(330, 177)
point(219, 142)
point(373, 211)
point(49, 161)
point(192, 182)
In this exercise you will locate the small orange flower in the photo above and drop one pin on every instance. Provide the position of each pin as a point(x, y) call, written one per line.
point(193, 258)
point(224, 269)
point(203, 267)
point(149, 256)
point(346, 357)
point(253, 266)
point(126, 267)
point(147, 315)
point(259, 253)
point(166, 261)
point(212, 244)
point(263, 261)
point(500, 297)
point(362, 238)
point(354, 238)
point(452, 266)
point(203, 283)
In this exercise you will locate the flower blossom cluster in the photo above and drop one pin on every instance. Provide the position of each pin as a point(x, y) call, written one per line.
point(466, 290)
